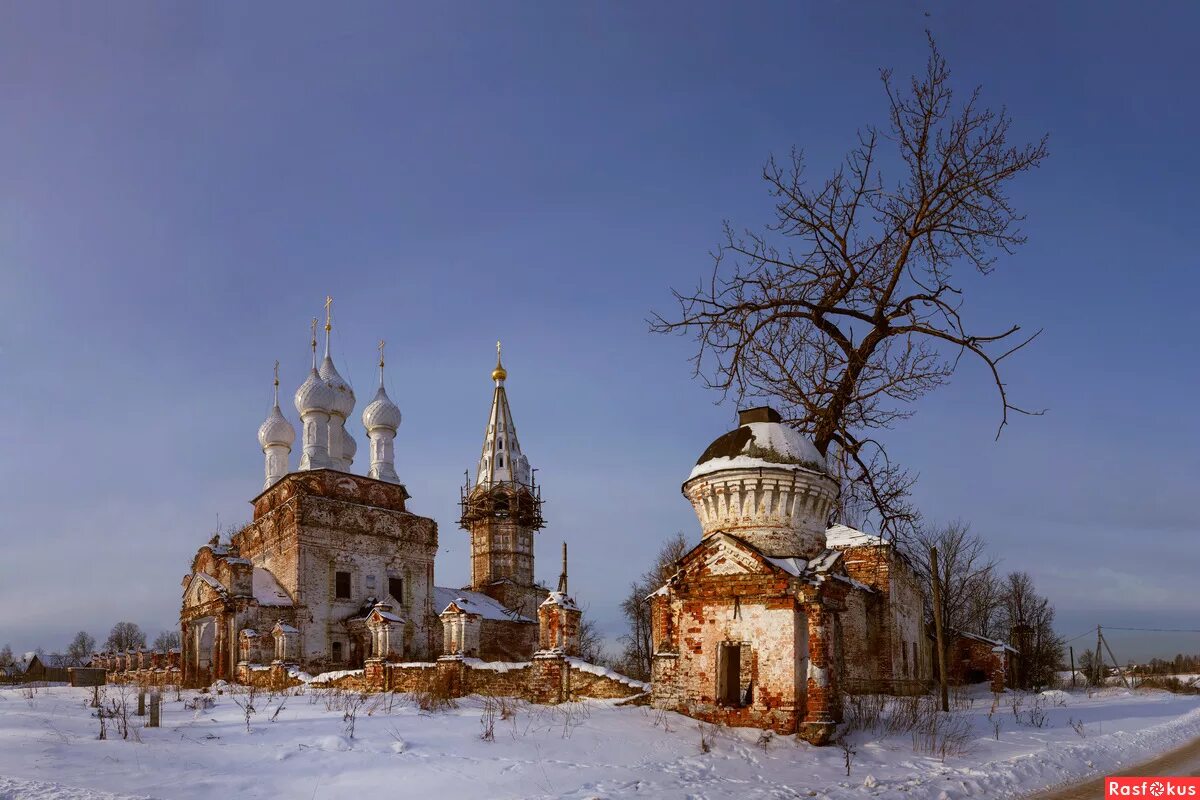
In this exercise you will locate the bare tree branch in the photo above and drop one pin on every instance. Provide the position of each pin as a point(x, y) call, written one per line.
point(844, 309)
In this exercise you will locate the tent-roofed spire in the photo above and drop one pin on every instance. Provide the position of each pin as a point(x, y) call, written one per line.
point(501, 460)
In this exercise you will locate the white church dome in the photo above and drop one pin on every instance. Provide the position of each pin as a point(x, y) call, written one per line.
point(760, 440)
point(381, 412)
point(276, 430)
point(343, 402)
point(314, 395)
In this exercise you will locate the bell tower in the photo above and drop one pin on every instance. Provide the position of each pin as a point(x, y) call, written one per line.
point(502, 510)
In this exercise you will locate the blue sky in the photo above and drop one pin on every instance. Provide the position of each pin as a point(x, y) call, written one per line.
point(180, 186)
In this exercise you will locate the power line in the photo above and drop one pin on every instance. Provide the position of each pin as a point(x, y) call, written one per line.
point(1080, 636)
point(1153, 630)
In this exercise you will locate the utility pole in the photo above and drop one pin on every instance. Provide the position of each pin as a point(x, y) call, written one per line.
point(937, 626)
point(1099, 658)
point(1072, 649)
point(1116, 663)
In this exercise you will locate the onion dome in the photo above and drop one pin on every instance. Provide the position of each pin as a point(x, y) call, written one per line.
point(381, 412)
point(760, 440)
point(276, 430)
point(314, 395)
point(343, 402)
point(349, 447)
point(343, 395)
point(499, 373)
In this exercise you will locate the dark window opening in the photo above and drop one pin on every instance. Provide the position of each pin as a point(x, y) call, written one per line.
point(499, 461)
point(729, 675)
point(341, 585)
point(337, 652)
point(396, 589)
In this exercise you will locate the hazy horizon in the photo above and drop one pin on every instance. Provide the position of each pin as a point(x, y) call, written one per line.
point(183, 185)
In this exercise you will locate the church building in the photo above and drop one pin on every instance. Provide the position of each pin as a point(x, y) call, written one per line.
point(770, 617)
point(334, 569)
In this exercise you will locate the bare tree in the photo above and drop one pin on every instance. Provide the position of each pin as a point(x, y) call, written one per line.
point(1022, 606)
point(636, 658)
point(591, 643)
point(80, 649)
point(166, 640)
point(847, 309)
point(966, 571)
point(125, 636)
point(6, 656)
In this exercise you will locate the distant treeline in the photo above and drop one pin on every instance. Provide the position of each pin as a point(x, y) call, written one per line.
point(1180, 664)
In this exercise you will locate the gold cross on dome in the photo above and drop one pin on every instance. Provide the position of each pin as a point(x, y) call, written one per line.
point(328, 311)
point(381, 344)
point(277, 373)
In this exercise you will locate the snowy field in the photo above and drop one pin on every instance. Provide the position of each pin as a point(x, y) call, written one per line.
point(49, 750)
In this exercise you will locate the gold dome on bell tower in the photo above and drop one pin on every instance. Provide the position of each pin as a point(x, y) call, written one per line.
point(499, 373)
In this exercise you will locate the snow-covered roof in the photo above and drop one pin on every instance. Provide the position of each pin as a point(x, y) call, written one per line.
point(997, 645)
point(267, 590)
point(211, 581)
point(560, 599)
point(474, 603)
point(844, 536)
point(284, 627)
point(385, 614)
point(762, 440)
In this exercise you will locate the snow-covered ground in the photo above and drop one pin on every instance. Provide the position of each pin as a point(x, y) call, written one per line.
point(49, 751)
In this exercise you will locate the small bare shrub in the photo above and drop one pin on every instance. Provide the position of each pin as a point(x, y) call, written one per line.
point(351, 703)
point(1017, 701)
point(1077, 726)
point(707, 732)
point(848, 753)
point(1037, 715)
point(488, 720)
point(864, 711)
point(245, 701)
point(200, 702)
point(941, 734)
point(764, 739)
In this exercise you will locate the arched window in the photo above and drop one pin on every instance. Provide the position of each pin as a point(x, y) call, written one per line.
point(337, 652)
point(500, 461)
point(500, 444)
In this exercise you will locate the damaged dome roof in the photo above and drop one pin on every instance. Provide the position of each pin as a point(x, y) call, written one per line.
point(760, 440)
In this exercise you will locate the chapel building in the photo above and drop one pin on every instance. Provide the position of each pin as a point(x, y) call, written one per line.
point(770, 617)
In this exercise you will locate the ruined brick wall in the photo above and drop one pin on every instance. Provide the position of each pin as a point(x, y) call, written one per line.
point(970, 661)
point(908, 630)
point(766, 629)
point(862, 657)
point(504, 640)
point(893, 639)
